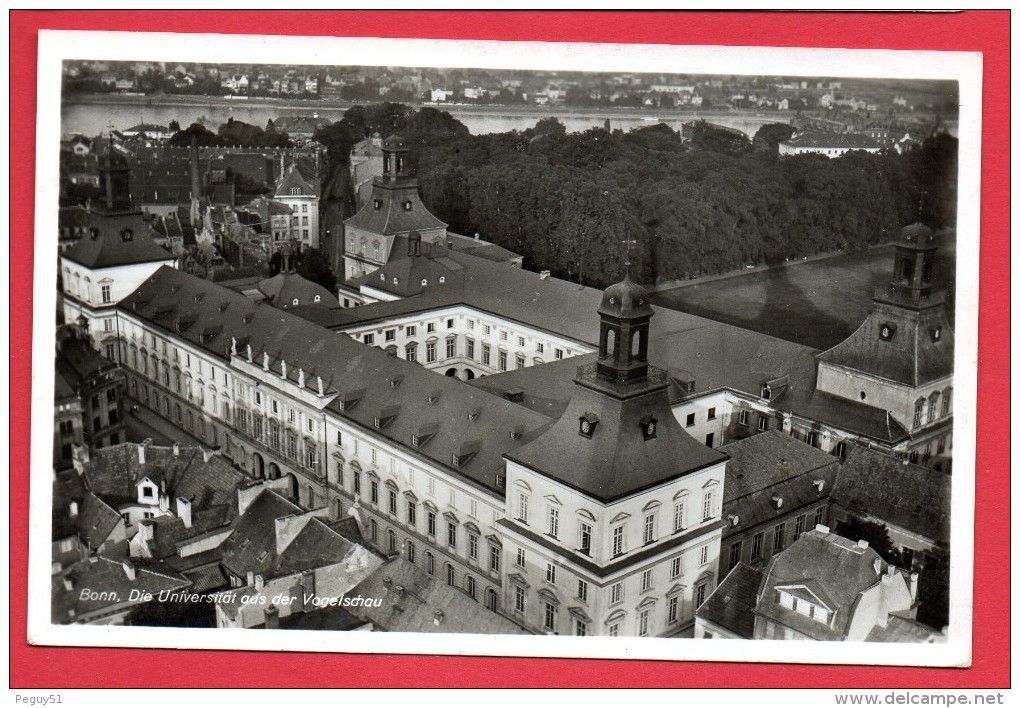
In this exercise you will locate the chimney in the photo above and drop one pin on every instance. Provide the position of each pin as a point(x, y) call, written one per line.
point(74, 510)
point(79, 457)
point(129, 570)
point(822, 528)
point(260, 582)
point(250, 577)
point(272, 617)
point(544, 274)
point(177, 449)
point(184, 511)
point(478, 237)
point(913, 586)
point(68, 583)
point(141, 450)
point(862, 544)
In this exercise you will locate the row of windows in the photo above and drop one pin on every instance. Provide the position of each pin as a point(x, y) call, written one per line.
point(446, 531)
point(650, 531)
point(580, 627)
point(778, 541)
point(934, 408)
point(409, 550)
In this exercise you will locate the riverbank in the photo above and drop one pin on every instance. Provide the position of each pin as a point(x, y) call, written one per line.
point(479, 119)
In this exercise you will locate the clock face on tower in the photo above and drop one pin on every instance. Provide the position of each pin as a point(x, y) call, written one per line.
point(648, 426)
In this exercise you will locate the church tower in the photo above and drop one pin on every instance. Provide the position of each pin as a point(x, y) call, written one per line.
point(115, 182)
point(901, 357)
point(612, 522)
point(392, 213)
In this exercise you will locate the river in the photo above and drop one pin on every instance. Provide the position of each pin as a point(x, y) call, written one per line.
point(92, 115)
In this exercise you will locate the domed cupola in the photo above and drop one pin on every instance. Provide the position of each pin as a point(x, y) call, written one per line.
point(625, 299)
point(623, 342)
point(917, 234)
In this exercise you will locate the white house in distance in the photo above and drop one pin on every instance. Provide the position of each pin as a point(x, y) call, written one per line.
point(828, 144)
point(114, 257)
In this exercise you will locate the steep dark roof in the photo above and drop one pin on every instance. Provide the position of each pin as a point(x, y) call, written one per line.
point(77, 362)
point(836, 570)
point(293, 179)
point(392, 217)
point(895, 492)
point(108, 247)
point(171, 296)
point(617, 459)
point(731, 604)
point(904, 630)
point(774, 464)
point(106, 576)
point(112, 473)
point(251, 546)
point(912, 356)
point(283, 288)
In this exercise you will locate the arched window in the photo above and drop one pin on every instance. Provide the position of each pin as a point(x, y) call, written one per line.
point(451, 575)
point(918, 412)
point(391, 541)
point(610, 342)
point(933, 407)
point(635, 343)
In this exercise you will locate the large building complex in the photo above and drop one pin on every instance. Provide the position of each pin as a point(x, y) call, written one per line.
point(576, 460)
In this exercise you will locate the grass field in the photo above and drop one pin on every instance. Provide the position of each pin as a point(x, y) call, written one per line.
point(817, 303)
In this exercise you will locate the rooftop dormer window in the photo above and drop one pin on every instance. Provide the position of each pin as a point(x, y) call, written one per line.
point(887, 331)
point(127, 235)
point(295, 191)
point(936, 333)
point(407, 206)
point(766, 392)
point(377, 204)
point(588, 423)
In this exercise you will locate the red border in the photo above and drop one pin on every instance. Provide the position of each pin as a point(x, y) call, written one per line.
point(976, 31)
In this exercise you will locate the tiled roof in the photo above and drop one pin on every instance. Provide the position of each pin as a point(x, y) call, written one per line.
point(731, 604)
point(817, 139)
point(293, 179)
point(283, 288)
point(912, 356)
point(896, 492)
point(77, 362)
point(617, 460)
point(112, 473)
point(903, 630)
point(251, 546)
point(335, 619)
point(773, 464)
point(392, 217)
point(834, 569)
point(105, 576)
point(109, 248)
point(344, 365)
point(413, 601)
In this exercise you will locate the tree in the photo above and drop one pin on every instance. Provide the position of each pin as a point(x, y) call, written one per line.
point(875, 533)
point(175, 126)
point(770, 135)
point(202, 135)
point(548, 126)
point(313, 265)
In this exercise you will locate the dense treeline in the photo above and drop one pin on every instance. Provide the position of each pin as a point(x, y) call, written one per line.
point(572, 202)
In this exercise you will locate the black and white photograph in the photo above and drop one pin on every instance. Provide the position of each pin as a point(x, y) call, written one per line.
point(504, 348)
